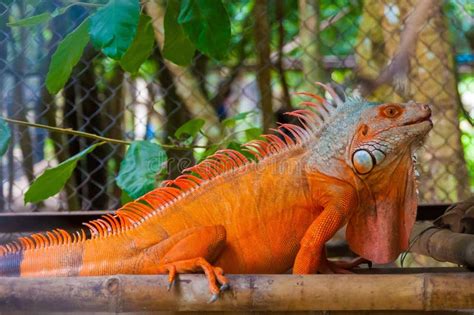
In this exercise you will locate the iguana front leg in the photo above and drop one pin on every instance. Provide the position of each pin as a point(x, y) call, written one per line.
point(337, 202)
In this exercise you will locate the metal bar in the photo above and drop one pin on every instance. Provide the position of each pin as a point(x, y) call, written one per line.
point(41, 221)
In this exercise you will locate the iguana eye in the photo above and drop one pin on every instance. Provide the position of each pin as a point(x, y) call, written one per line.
point(391, 111)
point(363, 161)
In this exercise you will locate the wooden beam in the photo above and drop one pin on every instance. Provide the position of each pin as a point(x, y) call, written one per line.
point(453, 291)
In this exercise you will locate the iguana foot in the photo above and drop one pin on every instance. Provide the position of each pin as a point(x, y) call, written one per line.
point(223, 281)
point(214, 275)
point(342, 266)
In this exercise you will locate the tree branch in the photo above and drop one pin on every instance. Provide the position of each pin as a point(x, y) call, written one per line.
point(397, 71)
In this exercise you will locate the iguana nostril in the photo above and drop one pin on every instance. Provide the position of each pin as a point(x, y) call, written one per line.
point(426, 108)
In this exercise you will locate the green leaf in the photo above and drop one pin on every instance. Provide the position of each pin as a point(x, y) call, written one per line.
point(207, 25)
point(209, 151)
point(66, 56)
point(40, 18)
point(190, 128)
point(252, 133)
point(177, 47)
point(113, 27)
point(238, 147)
point(53, 180)
point(125, 198)
point(231, 121)
point(139, 169)
point(32, 20)
point(5, 135)
point(141, 47)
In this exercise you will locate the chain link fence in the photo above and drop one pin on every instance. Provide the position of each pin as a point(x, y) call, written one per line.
point(294, 43)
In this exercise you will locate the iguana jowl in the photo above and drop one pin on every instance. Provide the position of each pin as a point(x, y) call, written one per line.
point(350, 162)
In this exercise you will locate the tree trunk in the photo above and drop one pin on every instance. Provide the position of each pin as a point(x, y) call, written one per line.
point(199, 71)
point(431, 79)
point(3, 68)
point(49, 102)
point(115, 108)
point(280, 17)
point(19, 104)
point(310, 42)
point(262, 43)
point(187, 87)
point(94, 181)
point(176, 115)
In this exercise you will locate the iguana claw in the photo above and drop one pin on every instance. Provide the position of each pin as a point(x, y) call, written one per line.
point(170, 285)
point(213, 298)
point(224, 287)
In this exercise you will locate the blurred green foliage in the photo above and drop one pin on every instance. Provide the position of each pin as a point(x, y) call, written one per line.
point(222, 30)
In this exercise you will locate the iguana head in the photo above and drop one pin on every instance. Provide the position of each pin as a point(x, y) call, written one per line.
point(380, 155)
point(385, 133)
point(371, 147)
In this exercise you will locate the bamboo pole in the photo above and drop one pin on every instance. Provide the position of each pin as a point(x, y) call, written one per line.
point(443, 244)
point(446, 291)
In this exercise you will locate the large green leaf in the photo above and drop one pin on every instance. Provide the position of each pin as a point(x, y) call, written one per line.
point(139, 169)
point(141, 47)
point(207, 24)
point(66, 56)
point(190, 128)
point(114, 26)
point(53, 179)
point(177, 48)
point(5, 135)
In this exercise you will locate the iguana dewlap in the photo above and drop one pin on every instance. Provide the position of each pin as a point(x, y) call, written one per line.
point(350, 162)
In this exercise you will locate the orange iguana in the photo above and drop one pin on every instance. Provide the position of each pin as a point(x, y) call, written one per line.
point(350, 162)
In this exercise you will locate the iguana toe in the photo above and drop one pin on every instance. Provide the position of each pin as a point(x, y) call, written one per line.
point(213, 298)
point(171, 276)
point(224, 287)
point(170, 285)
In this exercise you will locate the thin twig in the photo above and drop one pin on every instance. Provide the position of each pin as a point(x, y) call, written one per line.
point(84, 4)
point(66, 131)
point(83, 134)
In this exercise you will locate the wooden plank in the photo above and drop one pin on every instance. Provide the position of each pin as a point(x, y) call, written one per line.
point(248, 293)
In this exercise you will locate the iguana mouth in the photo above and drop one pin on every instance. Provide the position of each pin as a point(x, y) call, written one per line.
point(417, 121)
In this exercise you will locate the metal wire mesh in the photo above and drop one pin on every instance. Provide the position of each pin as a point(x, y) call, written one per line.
point(348, 41)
